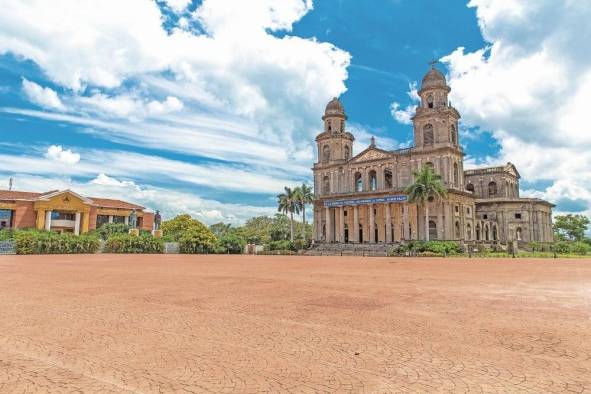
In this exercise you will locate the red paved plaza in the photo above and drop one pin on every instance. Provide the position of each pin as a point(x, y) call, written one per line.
point(246, 324)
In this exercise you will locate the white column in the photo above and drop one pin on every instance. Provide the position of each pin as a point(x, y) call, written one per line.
point(77, 224)
point(110, 218)
point(342, 224)
point(328, 225)
point(126, 220)
point(388, 223)
point(372, 233)
point(355, 224)
point(48, 220)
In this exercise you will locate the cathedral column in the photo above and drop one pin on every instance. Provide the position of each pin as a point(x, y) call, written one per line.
point(341, 224)
point(355, 230)
point(388, 223)
point(328, 225)
point(405, 232)
point(372, 221)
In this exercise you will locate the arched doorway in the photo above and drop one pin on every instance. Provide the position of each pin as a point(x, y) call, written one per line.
point(468, 232)
point(360, 233)
point(375, 233)
point(478, 232)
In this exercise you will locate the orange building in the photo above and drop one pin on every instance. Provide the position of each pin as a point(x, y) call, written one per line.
point(66, 211)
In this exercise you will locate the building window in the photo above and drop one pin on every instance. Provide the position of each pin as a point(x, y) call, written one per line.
point(518, 233)
point(454, 139)
point(492, 189)
point(468, 211)
point(325, 153)
point(456, 174)
point(478, 232)
point(347, 152)
point(342, 126)
point(101, 219)
point(326, 185)
point(344, 213)
point(457, 207)
point(485, 216)
point(373, 180)
point(388, 179)
point(358, 182)
point(470, 187)
point(118, 219)
point(428, 134)
point(329, 125)
point(468, 232)
point(56, 215)
point(430, 101)
point(518, 216)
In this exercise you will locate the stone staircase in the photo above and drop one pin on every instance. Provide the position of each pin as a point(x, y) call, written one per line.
point(328, 249)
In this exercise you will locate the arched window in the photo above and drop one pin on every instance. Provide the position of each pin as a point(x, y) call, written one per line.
point(358, 182)
point(456, 175)
point(347, 152)
point(388, 179)
point(518, 233)
point(458, 233)
point(432, 229)
point(468, 232)
point(470, 187)
point(373, 180)
point(329, 125)
point(325, 153)
point(492, 189)
point(428, 134)
point(342, 126)
point(454, 138)
point(325, 185)
point(478, 232)
point(430, 101)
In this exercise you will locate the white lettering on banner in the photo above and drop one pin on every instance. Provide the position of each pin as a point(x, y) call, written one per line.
point(364, 201)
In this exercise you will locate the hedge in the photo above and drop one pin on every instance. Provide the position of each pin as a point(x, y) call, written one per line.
point(125, 243)
point(429, 248)
point(45, 242)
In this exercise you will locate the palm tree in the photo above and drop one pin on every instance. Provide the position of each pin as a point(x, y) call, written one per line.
point(287, 203)
point(426, 187)
point(304, 196)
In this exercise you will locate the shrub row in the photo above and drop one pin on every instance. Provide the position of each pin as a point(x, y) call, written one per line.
point(427, 248)
point(43, 242)
point(125, 243)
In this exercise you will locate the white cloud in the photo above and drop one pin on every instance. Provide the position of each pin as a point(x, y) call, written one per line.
point(404, 116)
point(178, 5)
point(531, 87)
point(120, 67)
point(66, 156)
point(45, 97)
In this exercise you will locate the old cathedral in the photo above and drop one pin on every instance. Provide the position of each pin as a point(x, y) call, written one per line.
point(360, 198)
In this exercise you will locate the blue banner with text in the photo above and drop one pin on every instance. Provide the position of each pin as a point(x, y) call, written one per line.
point(364, 201)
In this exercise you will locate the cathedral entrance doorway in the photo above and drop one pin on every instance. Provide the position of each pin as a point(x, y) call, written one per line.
point(360, 233)
point(346, 234)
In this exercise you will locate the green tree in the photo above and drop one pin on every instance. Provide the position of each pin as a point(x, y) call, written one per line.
point(571, 227)
point(175, 229)
point(232, 243)
point(220, 229)
point(287, 203)
point(304, 196)
point(427, 187)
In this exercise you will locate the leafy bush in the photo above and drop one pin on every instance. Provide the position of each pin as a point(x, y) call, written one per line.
point(430, 248)
point(6, 234)
point(301, 244)
point(45, 242)
point(125, 243)
point(197, 240)
point(230, 243)
point(580, 248)
point(108, 229)
point(281, 245)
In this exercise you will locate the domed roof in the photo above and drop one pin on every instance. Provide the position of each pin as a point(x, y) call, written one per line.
point(433, 78)
point(334, 106)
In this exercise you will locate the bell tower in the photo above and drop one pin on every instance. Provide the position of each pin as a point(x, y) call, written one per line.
point(435, 121)
point(335, 145)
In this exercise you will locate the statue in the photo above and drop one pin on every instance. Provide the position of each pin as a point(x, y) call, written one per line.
point(133, 219)
point(157, 220)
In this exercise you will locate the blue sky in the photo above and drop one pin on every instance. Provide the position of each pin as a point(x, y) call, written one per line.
point(211, 107)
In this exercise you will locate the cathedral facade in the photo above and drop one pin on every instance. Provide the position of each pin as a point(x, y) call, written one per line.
point(360, 198)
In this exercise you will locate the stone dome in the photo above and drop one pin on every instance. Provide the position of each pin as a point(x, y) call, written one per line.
point(334, 107)
point(433, 78)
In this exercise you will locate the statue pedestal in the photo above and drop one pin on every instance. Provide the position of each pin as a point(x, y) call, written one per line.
point(157, 233)
point(134, 232)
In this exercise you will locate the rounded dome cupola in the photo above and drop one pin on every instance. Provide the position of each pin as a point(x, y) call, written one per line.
point(334, 107)
point(433, 78)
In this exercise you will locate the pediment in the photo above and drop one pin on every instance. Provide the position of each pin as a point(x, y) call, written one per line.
point(370, 154)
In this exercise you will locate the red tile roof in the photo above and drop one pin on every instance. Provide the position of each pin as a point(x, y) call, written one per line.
point(109, 203)
point(100, 202)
